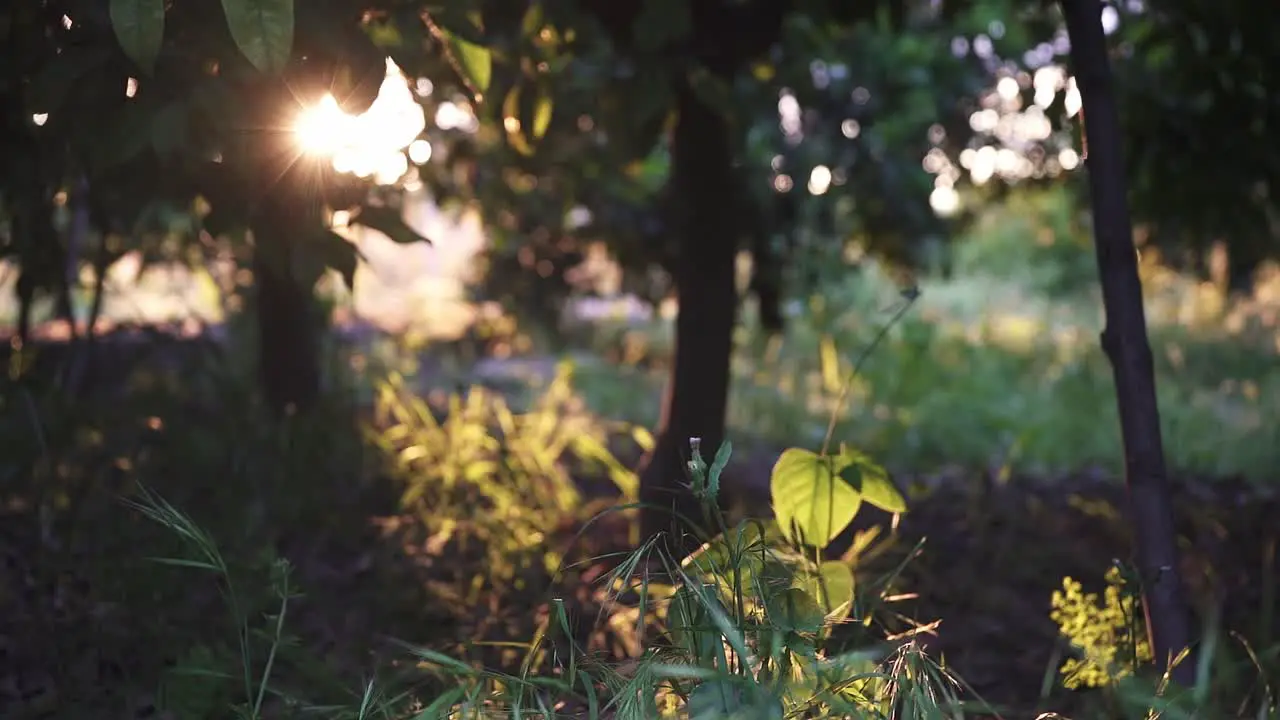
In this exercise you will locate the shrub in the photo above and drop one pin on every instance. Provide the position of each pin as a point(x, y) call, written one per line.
point(486, 476)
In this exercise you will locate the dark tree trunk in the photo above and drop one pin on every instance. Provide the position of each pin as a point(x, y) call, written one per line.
point(697, 393)
point(1125, 342)
point(1242, 266)
point(288, 328)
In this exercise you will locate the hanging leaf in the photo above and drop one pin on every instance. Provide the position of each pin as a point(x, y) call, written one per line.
point(812, 503)
point(338, 253)
point(389, 222)
point(511, 123)
point(262, 30)
point(541, 113)
point(473, 62)
point(139, 28)
point(871, 481)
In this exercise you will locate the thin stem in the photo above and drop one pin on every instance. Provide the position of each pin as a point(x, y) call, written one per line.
point(910, 299)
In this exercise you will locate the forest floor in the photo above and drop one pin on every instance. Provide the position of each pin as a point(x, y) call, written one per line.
point(87, 623)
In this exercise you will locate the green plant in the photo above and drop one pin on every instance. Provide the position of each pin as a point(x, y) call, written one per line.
point(1106, 631)
point(490, 476)
point(1233, 677)
point(1035, 239)
point(212, 679)
point(749, 622)
point(744, 624)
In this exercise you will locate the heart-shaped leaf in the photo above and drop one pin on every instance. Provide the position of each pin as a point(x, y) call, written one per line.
point(139, 28)
point(263, 30)
point(871, 481)
point(473, 62)
point(812, 503)
point(389, 222)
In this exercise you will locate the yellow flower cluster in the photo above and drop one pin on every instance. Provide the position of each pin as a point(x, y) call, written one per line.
point(1108, 631)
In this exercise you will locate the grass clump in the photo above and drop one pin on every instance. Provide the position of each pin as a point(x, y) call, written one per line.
point(744, 627)
point(489, 478)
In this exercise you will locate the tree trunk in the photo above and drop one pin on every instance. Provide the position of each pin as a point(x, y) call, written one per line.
point(1125, 342)
point(1242, 267)
point(288, 330)
point(697, 392)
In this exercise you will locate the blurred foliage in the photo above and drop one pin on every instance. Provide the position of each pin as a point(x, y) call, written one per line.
point(987, 372)
point(488, 478)
point(1037, 240)
point(1195, 118)
point(192, 121)
point(1200, 133)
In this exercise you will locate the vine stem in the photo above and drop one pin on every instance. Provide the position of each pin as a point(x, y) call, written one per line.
point(909, 296)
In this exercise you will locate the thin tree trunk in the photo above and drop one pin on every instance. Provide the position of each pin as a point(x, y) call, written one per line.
point(1125, 342)
point(697, 393)
point(288, 331)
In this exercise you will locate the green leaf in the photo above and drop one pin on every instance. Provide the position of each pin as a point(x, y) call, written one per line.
point(262, 30)
point(389, 222)
point(690, 624)
point(718, 465)
point(473, 62)
point(733, 559)
point(338, 253)
point(794, 610)
point(871, 481)
point(515, 130)
point(139, 28)
point(810, 501)
point(726, 698)
point(541, 115)
point(533, 20)
point(833, 585)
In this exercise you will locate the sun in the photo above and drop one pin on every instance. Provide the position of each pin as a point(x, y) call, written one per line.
point(324, 128)
point(372, 143)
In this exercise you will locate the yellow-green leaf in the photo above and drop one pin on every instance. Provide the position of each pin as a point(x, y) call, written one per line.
point(263, 30)
point(795, 610)
point(473, 62)
point(809, 498)
point(139, 28)
point(871, 481)
point(833, 586)
point(511, 122)
point(541, 116)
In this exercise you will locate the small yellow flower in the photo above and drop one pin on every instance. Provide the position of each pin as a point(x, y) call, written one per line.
point(1105, 630)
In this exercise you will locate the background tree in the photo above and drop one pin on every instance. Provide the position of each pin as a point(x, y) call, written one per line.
point(194, 107)
point(1125, 342)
